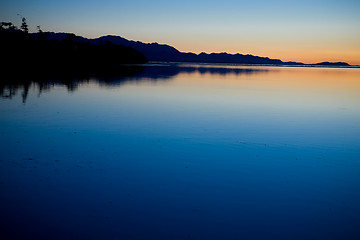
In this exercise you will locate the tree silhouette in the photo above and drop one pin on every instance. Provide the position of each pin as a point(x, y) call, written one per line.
point(24, 25)
point(39, 29)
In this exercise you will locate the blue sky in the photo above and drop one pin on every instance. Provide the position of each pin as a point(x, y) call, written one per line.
point(308, 31)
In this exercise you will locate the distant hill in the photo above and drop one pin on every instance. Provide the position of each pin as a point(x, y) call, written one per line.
point(152, 51)
point(333, 64)
point(23, 52)
point(165, 53)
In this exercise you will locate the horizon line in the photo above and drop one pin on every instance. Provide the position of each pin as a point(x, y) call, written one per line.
point(214, 52)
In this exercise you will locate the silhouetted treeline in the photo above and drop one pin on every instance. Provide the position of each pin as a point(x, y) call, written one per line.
point(23, 52)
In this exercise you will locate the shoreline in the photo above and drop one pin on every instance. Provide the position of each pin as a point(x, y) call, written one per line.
point(152, 63)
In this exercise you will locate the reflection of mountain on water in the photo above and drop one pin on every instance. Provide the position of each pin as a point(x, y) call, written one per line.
point(11, 85)
point(171, 70)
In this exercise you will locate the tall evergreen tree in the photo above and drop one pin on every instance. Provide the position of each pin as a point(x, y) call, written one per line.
point(24, 25)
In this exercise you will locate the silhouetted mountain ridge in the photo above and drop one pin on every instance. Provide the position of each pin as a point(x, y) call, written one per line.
point(156, 52)
point(165, 53)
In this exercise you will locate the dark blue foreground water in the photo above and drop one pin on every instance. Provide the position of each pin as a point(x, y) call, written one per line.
point(187, 152)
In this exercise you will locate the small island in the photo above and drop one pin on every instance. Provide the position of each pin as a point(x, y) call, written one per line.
point(334, 64)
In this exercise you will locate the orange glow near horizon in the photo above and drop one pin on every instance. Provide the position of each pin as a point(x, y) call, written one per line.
point(306, 50)
point(307, 55)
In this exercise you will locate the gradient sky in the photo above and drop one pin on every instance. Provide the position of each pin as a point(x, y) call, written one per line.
point(306, 31)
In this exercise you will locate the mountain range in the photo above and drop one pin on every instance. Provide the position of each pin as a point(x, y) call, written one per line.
point(156, 52)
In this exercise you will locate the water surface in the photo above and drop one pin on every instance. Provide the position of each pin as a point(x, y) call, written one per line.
point(182, 152)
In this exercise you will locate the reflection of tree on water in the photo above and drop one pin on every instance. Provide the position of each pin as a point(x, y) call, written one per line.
point(10, 86)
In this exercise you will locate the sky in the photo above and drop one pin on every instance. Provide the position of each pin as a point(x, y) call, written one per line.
point(306, 31)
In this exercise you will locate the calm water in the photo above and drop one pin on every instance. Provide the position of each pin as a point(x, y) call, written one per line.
point(183, 152)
